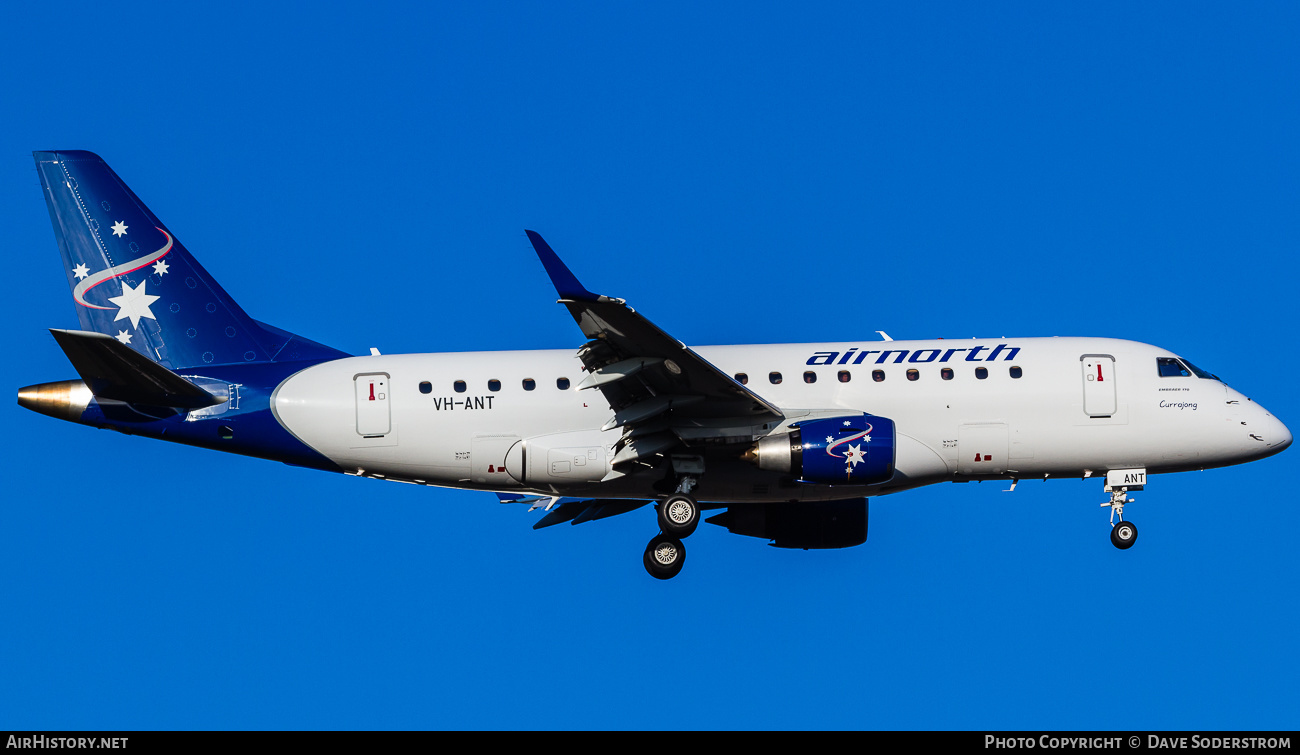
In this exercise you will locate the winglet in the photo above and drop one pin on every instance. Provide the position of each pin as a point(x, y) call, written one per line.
point(566, 284)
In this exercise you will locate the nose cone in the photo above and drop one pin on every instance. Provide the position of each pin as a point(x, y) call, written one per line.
point(1270, 430)
point(1281, 433)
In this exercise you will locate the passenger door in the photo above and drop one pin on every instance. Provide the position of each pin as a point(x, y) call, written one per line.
point(373, 418)
point(1098, 384)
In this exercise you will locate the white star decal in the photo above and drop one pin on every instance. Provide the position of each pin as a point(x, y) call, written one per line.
point(846, 423)
point(867, 439)
point(134, 303)
point(829, 439)
point(119, 228)
point(160, 268)
point(854, 456)
point(123, 336)
point(80, 271)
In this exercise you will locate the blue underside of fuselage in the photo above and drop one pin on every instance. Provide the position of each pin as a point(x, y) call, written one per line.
point(246, 426)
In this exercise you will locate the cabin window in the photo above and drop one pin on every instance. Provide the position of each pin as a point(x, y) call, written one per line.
point(946, 373)
point(1016, 372)
point(878, 376)
point(459, 385)
point(562, 383)
point(1170, 367)
point(529, 384)
point(913, 375)
point(426, 387)
point(810, 377)
point(742, 378)
point(845, 376)
point(981, 372)
point(494, 385)
point(774, 378)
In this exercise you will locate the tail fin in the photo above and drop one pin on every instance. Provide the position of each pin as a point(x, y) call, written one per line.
point(132, 280)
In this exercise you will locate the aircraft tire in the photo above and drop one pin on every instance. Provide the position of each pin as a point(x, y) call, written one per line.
point(664, 556)
point(679, 515)
point(1123, 535)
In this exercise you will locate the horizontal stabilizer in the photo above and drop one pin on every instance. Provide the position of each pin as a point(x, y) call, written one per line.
point(112, 370)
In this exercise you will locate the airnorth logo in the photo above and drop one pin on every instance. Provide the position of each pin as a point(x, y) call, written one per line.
point(919, 356)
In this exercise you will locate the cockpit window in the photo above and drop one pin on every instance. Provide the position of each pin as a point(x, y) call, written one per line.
point(1170, 367)
point(1200, 373)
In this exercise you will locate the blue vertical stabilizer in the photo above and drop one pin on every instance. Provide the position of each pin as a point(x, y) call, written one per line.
point(131, 279)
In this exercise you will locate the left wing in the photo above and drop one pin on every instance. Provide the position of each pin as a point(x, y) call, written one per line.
point(660, 390)
point(572, 510)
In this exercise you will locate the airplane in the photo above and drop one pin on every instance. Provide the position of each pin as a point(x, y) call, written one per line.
point(790, 441)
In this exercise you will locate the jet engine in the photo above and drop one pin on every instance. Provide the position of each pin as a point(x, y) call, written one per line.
point(856, 449)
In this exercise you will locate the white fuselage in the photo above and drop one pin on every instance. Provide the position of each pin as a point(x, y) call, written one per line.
point(1080, 407)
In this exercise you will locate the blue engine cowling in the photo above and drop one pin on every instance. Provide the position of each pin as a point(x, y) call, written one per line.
point(855, 449)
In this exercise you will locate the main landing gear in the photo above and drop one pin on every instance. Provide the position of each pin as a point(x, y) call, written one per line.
point(664, 556)
point(678, 515)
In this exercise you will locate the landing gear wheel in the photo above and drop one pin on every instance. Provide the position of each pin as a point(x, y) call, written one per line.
point(1123, 535)
point(664, 556)
point(679, 516)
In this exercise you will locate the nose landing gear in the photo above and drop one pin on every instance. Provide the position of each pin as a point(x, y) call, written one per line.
point(1118, 484)
point(1123, 535)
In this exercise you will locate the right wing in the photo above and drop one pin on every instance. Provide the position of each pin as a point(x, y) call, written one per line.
point(658, 388)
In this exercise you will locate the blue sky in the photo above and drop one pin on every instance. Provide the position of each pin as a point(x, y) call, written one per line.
point(741, 173)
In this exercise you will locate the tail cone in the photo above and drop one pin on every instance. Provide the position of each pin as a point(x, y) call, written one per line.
point(67, 399)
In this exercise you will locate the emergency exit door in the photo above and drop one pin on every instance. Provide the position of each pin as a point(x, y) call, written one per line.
point(1098, 384)
point(373, 418)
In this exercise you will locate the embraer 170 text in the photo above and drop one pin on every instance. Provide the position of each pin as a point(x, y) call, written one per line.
point(788, 441)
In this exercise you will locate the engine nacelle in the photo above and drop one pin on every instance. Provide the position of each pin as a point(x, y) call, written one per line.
point(559, 458)
point(856, 449)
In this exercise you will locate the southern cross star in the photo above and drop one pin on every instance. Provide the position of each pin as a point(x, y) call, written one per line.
point(134, 303)
point(123, 336)
point(160, 268)
point(119, 228)
point(80, 271)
